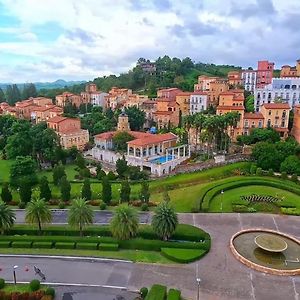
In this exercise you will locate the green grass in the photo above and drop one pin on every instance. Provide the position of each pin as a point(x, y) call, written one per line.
point(5, 169)
point(132, 255)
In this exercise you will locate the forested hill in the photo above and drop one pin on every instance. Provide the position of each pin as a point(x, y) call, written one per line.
point(170, 72)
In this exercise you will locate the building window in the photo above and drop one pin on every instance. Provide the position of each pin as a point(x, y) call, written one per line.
point(270, 112)
point(259, 124)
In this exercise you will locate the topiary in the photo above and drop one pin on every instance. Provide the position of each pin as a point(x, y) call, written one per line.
point(270, 172)
point(143, 292)
point(102, 206)
point(34, 285)
point(259, 172)
point(2, 283)
point(22, 205)
point(294, 178)
point(61, 205)
point(50, 291)
point(284, 175)
point(144, 207)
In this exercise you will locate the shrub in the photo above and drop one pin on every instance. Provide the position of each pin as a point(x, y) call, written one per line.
point(64, 245)
point(34, 285)
point(87, 246)
point(22, 205)
point(259, 172)
point(253, 169)
point(102, 206)
point(183, 255)
point(174, 294)
point(53, 202)
point(270, 172)
point(94, 202)
point(42, 245)
point(144, 207)
point(157, 292)
point(143, 292)
point(284, 175)
point(108, 247)
point(290, 211)
point(2, 283)
point(21, 244)
point(294, 178)
point(114, 203)
point(50, 292)
point(61, 205)
point(5, 244)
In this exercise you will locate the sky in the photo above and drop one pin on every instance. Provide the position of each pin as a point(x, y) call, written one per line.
point(46, 40)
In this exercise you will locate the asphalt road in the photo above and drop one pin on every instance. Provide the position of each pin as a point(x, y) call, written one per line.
point(100, 217)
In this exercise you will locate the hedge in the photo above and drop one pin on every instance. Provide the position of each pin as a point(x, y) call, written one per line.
point(174, 294)
point(108, 247)
point(5, 244)
point(61, 245)
point(183, 255)
point(44, 245)
point(21, 244)
point(290, 211)
point(212, 190)
point(87, 246)
point(157, 292)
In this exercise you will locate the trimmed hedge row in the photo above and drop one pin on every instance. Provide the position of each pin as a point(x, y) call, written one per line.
point(174, 294)
point(157, 292)
point(212, 190)
point(183, 255)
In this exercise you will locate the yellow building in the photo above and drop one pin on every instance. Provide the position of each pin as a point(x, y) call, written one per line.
point(183, 100)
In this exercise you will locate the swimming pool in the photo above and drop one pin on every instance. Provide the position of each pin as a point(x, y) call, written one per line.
point(162, 159)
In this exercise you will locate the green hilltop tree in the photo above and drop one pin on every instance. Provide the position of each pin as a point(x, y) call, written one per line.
point(65, 189)
point(45, 191)
point(86, 192)
point(6, 195)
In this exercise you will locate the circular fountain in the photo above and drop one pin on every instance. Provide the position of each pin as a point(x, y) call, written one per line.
point(267, 251)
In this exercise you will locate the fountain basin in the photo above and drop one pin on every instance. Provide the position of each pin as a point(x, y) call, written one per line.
point(267, 251)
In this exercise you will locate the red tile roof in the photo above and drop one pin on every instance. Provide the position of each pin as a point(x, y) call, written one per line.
point(153, 139)
point(163, 112)
point(110, 134)
point(199, 93)
point(253, 116)
point(183, 94)
point(276, 105)
point(231, 107)
point(57, 119)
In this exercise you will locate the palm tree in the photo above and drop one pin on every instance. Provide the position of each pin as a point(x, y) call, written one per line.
point(80, 214)
point(37, 212)
point(7, 217)
point(124, 223)
point(164, 220)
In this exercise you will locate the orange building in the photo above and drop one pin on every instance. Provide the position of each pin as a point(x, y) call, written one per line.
point(296, 124)
point(24, 109)
point(288, 71)
point(276, 115)
point(234, 78)
point(251, 121)
point(183, 100)
point(216, 88)
point(69, 131)
point(167, 113)
point(117, 97)
point(44, 113)
point(169, 93)
point(66, 97)
point(204, 83)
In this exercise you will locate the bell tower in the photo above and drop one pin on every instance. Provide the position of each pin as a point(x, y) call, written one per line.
point(123, 122)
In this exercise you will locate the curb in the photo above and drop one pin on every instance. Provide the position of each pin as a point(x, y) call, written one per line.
point(93, 259)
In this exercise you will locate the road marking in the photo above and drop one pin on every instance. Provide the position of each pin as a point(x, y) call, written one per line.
point(66, 257)
point(295, 291)
point(194, 220)
point(240, 220)
point(252, 287)
point(75, 284)
point(275, 223)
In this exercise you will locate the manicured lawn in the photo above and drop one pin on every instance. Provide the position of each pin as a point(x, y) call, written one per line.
point(223, 203)
point(132, 255)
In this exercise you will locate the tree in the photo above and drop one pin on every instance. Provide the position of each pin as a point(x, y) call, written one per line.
point(37, 212)
point(2, 96)
point(80, 161)
point(145, 193)
point(6, 195)
point(29, 90)
point(164, 220)
point(291, 165)
point(25, 190)
point(7, 217)
point(65, 189)
point(106, 190)
point(80, 214)
point(58, 174)
point(121, 167)
point(166, 196)
point(45, 191)
point(120, 140)
point(86, 192)
point(136, 118)
point(124, 223)
point(125, 191)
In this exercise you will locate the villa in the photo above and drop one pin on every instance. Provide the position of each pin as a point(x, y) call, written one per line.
point(157, 153)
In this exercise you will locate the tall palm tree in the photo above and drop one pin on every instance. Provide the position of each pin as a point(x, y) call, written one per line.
point(7, 217)
point(164, 220)
point(80, 214)
point(198, 125)
point(124, 223)
point(37, 212)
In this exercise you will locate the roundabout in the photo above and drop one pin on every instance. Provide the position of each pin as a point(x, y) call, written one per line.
point(267, 251)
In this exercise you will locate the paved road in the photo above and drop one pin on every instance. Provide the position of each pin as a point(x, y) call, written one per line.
point(223, 277)
point(100, 217)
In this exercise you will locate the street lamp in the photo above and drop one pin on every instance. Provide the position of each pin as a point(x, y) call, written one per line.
point(222, 192)
point(15, 277)
point(198, 286)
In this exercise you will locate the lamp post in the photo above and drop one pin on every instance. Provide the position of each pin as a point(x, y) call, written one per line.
point(198, 288)
point(222, 192)
point(15, 277)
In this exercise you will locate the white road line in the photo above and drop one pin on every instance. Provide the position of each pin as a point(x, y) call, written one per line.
point(66, 257)
point(75, 284)
point(252, 287)
point(240, 220)
point(194, 220)
point(295, 291)
point(275, 223)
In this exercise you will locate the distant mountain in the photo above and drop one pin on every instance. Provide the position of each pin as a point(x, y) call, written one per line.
point(60, 83)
